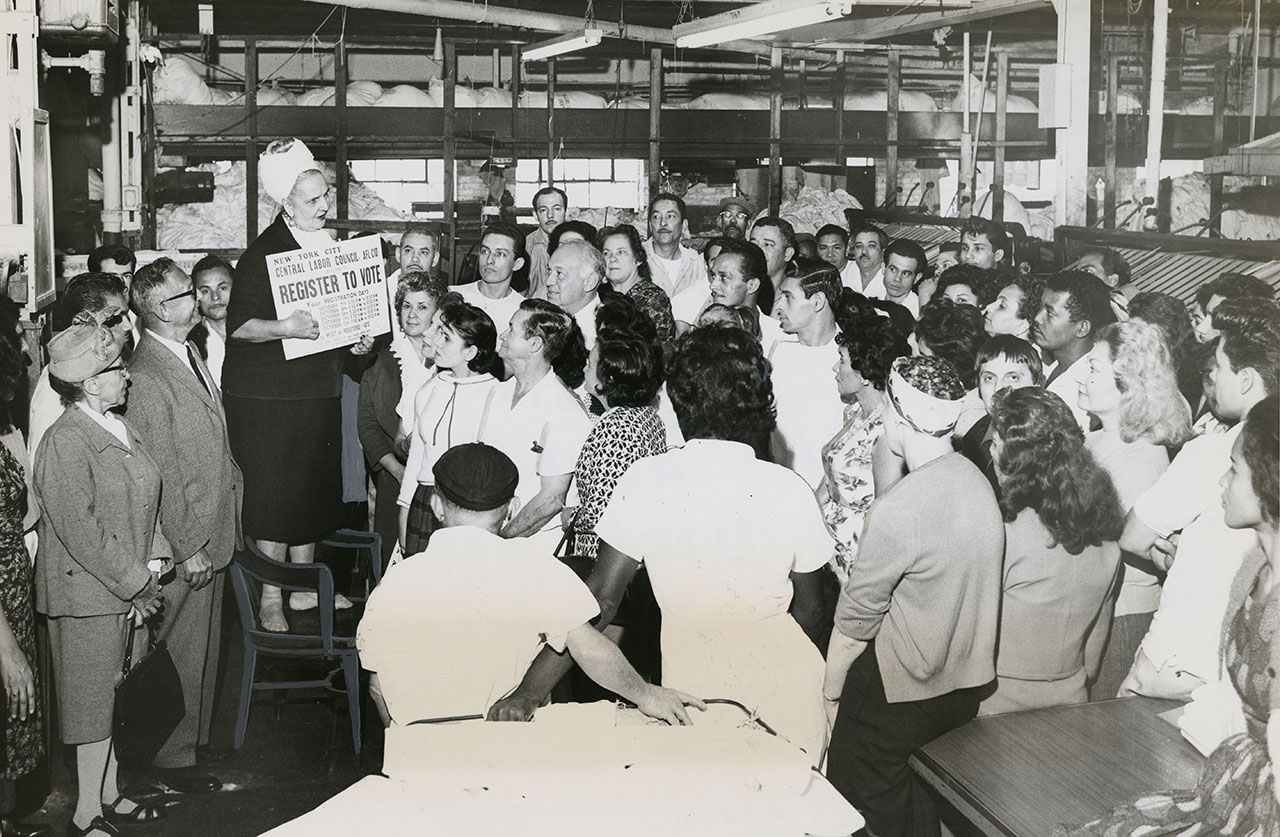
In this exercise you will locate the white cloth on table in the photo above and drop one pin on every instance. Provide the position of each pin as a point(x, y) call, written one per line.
point(720, 533)
point(454, 628)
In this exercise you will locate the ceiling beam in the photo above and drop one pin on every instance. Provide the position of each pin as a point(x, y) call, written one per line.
point(889, 26)
point(547, 22)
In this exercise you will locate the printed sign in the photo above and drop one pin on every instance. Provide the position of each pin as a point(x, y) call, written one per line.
point(342, 286)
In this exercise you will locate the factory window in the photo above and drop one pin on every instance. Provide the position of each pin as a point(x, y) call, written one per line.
point(595, 184)
point(402, 183)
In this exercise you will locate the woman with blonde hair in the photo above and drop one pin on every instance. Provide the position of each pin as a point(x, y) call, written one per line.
point(1132, 390)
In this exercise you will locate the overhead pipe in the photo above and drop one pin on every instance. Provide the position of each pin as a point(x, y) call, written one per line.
point(548, 22)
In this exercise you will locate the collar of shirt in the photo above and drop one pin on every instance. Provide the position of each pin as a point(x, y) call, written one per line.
point(179, 349)
point(109, 423)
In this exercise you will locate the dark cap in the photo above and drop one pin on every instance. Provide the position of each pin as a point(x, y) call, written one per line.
point(476, 476)
point(740, 202)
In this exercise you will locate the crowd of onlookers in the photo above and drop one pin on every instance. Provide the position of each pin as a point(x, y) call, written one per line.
point(864, 497)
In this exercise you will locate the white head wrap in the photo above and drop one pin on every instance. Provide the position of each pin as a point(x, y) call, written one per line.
point(278, 170)
point(926, 413)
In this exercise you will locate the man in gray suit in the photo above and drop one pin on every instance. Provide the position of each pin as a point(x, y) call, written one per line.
point(176, 409)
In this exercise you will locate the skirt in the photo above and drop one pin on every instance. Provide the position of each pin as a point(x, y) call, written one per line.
point(291, 454)
point(88, 652)
point(421, 521)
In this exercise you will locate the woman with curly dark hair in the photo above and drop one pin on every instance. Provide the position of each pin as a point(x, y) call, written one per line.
point(1062, 521)
point(953, 332)
point(1014, 307)
point(729, 542)
point(627, 272)
point(534, 417)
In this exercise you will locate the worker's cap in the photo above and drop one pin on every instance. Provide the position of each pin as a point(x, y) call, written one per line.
point(81, 352)
point(476, 476)
point(740, 203)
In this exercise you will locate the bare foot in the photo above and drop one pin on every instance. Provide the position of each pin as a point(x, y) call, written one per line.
point(341, 602)
point(271, 615)
point(303, 601)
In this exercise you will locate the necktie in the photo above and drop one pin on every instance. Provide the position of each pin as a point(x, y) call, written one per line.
point(191, 359)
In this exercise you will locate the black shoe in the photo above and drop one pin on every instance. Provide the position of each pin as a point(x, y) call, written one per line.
point(9, 828)
point(187, 779)
point(208, 754)
point(96, 824)
point(141, 813)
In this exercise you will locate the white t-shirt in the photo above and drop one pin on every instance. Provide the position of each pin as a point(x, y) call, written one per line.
point(1187, 627)
point(586, 319)
point(721, 532)
point(1067, 387)
point(543, 433)
point(687, 305)
point(454, 628)
point(851, 277)
point(216, 348)
point(676, 275)
point(809, 408)
point(499, 310)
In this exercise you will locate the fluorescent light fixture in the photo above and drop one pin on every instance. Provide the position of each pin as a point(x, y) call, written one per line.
point(572, 42)
point(758, 19)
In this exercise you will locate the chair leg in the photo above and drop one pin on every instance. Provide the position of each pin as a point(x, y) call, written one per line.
point(351, 669)
point(246, 693)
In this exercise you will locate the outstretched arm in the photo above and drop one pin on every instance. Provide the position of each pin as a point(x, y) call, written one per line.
point(603, 662)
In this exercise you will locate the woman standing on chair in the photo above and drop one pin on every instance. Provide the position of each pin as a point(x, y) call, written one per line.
point(284, 417)
point(100, 557)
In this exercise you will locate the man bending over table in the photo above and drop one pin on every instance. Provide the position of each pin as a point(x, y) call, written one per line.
point(451, 630)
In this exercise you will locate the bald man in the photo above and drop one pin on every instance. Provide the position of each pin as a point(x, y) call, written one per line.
point(573, 283)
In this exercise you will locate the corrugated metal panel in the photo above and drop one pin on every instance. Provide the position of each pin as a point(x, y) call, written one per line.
point(1180, 274)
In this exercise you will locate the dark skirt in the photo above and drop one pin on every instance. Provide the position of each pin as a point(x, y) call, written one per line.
point(291, 454)
point(421, 521)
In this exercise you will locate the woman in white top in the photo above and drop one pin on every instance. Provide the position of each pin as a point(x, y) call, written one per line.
point(450, 409)
point(1132, 390)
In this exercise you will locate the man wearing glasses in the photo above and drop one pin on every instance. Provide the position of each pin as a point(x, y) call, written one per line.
point(734, 214)
point(118, 260)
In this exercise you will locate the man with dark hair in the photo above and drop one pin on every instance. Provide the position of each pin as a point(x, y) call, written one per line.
point(1227, 286)
point(983, 243)
point(689, 304)
point(100, 299)
point(1074, 307)
point(739, 279)
point(673, 267)
point(777, 239)
point(113, 258)
point(833, 248)
point(904, 263)
point(1180, 650)
point(549, 206)
point(809, 408)
point(866, 246)
point(213, 276)
point(175, 407)
point(500, 257)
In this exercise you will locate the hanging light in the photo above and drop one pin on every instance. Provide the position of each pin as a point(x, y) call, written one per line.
point(572, 42)
point(758, 19)
point(437, 54)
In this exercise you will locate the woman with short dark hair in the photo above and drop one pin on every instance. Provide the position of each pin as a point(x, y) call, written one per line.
point(627, 272)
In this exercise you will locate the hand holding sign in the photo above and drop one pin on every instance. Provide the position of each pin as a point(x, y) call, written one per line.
point(302, 326)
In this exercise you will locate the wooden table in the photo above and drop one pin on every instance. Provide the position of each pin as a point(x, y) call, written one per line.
point(1022, 774)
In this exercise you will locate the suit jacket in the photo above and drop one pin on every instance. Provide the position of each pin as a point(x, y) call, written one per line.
point(99, 524)
point(185, 428)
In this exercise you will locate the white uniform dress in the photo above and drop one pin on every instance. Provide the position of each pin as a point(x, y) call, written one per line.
point(720, 533)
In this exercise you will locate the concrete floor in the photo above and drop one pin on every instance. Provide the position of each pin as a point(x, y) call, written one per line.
point(287, 766)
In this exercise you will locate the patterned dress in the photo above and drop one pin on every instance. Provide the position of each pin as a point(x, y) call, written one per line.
point(23, 742)
point(620, 437)
point(1235, 795)
point(656, 305)
point(850, 487)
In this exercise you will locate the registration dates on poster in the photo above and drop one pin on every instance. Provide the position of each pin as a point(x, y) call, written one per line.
point(342, 286)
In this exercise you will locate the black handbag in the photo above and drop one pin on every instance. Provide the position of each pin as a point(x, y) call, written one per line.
point(149, 704)
point(580, 564)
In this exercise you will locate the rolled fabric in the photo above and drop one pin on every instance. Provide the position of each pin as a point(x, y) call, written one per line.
point(278, 170)
point(926, 413)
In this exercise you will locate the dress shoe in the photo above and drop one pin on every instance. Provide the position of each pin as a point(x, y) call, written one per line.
point(10, 828)
point(187, 779)
point(208, 754)
point(99, 824)
point(141, 813)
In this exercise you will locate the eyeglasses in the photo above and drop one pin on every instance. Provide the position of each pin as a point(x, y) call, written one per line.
point(728, 214)
point(114, 320)
point(191, 292)
point(119, 367)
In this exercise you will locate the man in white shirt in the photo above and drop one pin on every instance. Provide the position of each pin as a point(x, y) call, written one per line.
point(456, 626)
point(866, 245)
point(500, 256)
point(1180, 650)
point(1075, 306)
point(809, 408)
point(673, 267)
point(419, 250)
point(833, 248)
point(573, 283)
point(777, 238)
point(903, 262)
point(737, 275)
point(549, 206)
point(212, 276)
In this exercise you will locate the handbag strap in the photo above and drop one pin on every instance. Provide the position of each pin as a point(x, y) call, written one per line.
point(128, 648)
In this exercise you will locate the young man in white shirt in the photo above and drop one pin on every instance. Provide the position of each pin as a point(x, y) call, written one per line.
point(904, 260)
point(1074, 307)
point(833, 248)
point(737, 278)
point(983, 243)
point(212, 276)
point(1180, 650)
point(119, 260)
point(674, 267)
point(456, 626)
point(777, 238)
point(549, 207)
point(866, 246)
point(809, 407)
point(500, 256)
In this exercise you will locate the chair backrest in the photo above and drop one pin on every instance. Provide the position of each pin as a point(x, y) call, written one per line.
point(311, 578)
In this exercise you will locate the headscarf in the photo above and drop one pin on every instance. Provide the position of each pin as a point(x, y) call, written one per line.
point(926, 413)
point(279, 170)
